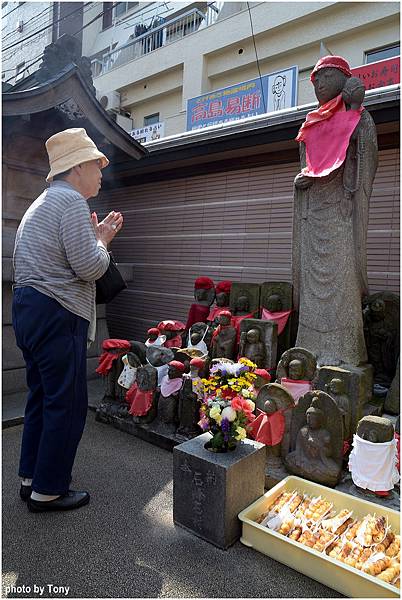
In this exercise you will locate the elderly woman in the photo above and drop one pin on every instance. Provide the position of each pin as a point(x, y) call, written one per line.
point(60, 251)
point(338, 150)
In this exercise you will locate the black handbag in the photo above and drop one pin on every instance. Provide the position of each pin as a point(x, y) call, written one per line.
point(110, 284)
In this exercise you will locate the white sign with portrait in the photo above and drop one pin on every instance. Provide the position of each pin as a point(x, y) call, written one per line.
point(282, 89)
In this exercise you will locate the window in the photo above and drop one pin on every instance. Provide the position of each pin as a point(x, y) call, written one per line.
point(151, 119)
point(122, 7)
point(382, 53)
point(19, 71)
point(107, 19)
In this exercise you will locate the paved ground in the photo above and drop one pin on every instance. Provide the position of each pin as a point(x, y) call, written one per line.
point(124, 543)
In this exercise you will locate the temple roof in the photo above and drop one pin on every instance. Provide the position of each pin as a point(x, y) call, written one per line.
point(72, 96)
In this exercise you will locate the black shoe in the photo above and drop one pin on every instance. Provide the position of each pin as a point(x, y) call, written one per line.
point(25, 492)
point(68, 501)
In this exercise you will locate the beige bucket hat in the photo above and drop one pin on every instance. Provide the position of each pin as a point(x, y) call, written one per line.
point(70, 148)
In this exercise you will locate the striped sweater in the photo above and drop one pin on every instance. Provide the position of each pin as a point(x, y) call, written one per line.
point(57, 253)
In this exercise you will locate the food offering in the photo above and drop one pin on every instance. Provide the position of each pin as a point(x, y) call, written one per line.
point(367, 544)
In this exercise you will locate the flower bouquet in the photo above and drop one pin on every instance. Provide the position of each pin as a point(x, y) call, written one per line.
point(228, 402)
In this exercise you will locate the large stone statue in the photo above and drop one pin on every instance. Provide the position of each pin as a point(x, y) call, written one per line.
point(223, 343)
point(244, 303)
point(204, 294)
point(338, 150)
point(296, 371)
point(381, 329)
point(318, 441)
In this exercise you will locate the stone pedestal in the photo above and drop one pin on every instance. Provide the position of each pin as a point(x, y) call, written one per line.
point(210, 489)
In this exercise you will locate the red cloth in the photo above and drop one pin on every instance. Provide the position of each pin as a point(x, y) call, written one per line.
point(280, 318)
point(215, 311)
point(197, 314)
point(110, 343)
point(398, 447)
point(175, 342)
point(204, 283)
point(326, 133)
point(296, 387)
point(153, 331)
point(140, 402)
point(107, 359)
point(223, 286)
point(335, 62)
point(268, 429)
point(237, 320)
point(263, 373)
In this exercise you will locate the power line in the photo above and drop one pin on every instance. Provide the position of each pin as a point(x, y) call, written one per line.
point(13, 9)
point(51, 25)
point(34, 18)
point(74, 34)
point(256, 56)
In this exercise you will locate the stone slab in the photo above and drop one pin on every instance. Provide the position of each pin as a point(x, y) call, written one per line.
point(268, 335)
point(210, 489)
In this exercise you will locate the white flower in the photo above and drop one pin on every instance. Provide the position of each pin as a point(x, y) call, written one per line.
point(229, 413)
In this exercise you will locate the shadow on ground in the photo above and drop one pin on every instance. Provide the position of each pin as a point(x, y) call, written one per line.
point(124, 543)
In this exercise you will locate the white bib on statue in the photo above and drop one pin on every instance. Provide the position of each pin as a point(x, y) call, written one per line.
point(373, 466)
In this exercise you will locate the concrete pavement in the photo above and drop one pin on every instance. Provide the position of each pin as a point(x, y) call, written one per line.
point(124, 543)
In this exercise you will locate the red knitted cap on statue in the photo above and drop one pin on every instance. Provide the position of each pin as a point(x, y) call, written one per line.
point(225, 313)
point(223, 286)
point(197, 362)
point(177, 365)
point(153, 331)
point(335, 62)
point(203, 283)
point(263, 373)
point(170, 325)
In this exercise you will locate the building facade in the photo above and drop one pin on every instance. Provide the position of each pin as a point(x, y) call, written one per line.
point(191, 49)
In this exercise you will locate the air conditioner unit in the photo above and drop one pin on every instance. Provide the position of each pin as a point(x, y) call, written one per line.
point(110, 101)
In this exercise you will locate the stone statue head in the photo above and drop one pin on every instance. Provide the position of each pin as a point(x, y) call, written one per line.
point(242, 304)
point(225, 318)
point(253, 336)
point(204, 291)
point(377, 309)
point(335, 386)
point(328, 83)
point(176, 369)
point(375, 429)
point(314, 416)
point(296, 369)
point(270, 406)
point(222, 299)
point(274, 303)
point(197, 331)
point(196, 365)
point(147, 378)
point(153, 334)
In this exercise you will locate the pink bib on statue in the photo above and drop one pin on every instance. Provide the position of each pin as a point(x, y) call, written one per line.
point(296, 387)
point(280, 318)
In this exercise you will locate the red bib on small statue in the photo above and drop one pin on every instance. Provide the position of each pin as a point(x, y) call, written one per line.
point(140, 401)
point(268, 429)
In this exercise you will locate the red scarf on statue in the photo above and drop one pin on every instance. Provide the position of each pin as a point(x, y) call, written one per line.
point(140, 402)
point(326, 133)
point(107, 359)
point(280, 318)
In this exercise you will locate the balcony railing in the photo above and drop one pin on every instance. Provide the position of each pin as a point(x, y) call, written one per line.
point(171, 31)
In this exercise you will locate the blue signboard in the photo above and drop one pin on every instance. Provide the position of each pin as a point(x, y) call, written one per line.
point(269, 93)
